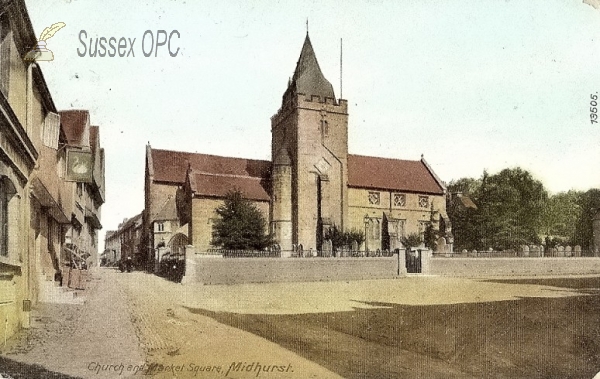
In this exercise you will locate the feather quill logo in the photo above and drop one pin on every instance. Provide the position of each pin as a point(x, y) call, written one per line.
point(40, 52)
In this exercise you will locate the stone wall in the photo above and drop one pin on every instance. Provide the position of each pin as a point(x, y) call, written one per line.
point(216, 270)
point(483, 267)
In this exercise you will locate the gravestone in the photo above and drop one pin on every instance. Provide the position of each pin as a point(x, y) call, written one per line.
point(568, 251)
point(354, 246)
point(441, 246)
point(577, 251)
point(560, 251)
point(534, 251)
point(524, 251)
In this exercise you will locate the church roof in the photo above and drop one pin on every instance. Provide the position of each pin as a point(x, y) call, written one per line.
point(308, 77)
point(168, 211)
point(171, 166)
point(392, 174)
point(466, 201)
point(252, 188)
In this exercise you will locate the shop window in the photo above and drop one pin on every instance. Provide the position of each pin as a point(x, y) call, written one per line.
point(5, 41)
point(7, 191)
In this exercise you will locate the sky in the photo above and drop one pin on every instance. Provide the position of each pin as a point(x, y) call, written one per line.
point(472, 85)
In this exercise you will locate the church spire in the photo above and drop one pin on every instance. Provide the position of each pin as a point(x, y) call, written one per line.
point(308, 77)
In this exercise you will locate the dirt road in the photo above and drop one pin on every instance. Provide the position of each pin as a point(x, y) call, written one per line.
point(415, 327)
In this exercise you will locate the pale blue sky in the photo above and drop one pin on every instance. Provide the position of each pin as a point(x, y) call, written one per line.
point(473, 85)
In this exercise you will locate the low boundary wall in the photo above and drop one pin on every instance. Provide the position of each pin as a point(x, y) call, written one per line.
point(213, 270)
point(481, 267)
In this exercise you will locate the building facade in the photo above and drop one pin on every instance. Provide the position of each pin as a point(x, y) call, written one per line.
point(130, 233)
point(84, 182)
point(36, 199)
point(310, 185)
point(112, 249)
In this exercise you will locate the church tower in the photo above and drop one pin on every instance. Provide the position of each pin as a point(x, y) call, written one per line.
point(309, 150)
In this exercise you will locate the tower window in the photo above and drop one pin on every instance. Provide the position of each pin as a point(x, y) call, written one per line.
point(324, 129)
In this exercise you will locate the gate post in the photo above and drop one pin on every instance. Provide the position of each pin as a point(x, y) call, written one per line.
point(426, 257)
point(189, 276)
point(400, 261)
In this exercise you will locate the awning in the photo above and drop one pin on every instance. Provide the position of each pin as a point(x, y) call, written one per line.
point(41, 193)
point(92, 218)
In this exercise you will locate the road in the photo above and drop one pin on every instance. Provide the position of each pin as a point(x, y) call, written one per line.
point(136, 325)
point(139, 325)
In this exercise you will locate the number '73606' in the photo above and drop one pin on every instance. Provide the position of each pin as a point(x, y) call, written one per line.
point(593, 108)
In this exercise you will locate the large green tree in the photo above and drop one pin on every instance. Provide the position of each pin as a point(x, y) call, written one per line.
point(561, 215)
point(588, 202)
point(240, 226)
point(510, 206)
point(513, 209)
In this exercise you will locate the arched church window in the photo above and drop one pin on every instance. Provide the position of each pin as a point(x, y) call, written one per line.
point(375, 229)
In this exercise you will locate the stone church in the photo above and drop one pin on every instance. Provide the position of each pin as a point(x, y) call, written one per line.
point(310, 184)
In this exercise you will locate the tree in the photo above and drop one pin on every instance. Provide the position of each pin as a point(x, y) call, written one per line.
point(240, 226)
point(561, 215)
point(345, 239)
point(510, 208)
point(463, 215)
point(412, 240)
point(588, 203)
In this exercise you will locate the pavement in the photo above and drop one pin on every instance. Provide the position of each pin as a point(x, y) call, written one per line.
point(79, 340)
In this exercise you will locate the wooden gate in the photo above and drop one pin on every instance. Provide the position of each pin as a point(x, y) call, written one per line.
point(413, 261)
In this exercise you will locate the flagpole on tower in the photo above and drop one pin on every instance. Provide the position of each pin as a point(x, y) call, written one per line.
point(341, 50)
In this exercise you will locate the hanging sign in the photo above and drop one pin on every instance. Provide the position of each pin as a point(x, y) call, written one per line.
point(79, 166)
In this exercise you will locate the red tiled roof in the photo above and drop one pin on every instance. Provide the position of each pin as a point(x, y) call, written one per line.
point(171, 166)
point(391, 174)
point(74, 123)
point(218, 185)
